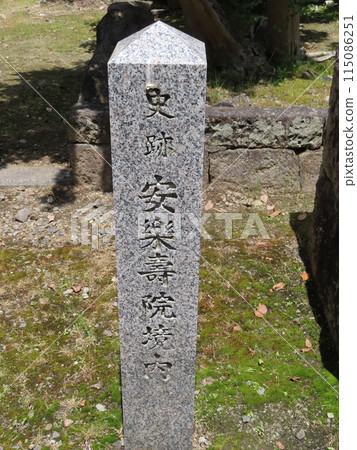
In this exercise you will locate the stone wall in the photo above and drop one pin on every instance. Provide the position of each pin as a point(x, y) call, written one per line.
point(270, 149)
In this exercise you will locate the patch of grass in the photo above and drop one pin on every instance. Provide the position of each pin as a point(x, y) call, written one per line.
point(255, 364)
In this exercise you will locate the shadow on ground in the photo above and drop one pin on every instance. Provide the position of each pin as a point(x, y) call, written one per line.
point(327, 349)
point(31, 129)
point(33, 132)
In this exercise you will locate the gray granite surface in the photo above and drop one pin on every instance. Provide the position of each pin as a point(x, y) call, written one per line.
point(157, 81)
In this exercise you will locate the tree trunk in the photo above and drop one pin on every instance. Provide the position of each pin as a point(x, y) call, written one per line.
point(205, 21)
point(283, 40)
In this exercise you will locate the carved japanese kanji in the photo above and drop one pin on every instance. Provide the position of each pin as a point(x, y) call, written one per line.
point(157, 194)
point(157, 102)
point(159, 146)
point(159, 336)
point(157, 233)
point(161, 367)
point(161, 305)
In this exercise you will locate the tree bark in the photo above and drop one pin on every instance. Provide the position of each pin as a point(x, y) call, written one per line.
point(206, 22)
point(283, 40)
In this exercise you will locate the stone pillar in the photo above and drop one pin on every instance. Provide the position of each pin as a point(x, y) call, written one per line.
point(157, 81)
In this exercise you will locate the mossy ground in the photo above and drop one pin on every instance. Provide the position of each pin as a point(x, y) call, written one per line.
point(55, 348)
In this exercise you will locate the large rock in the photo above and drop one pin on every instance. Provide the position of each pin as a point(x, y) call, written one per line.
point(122, 19)
point(298, 128)
point(324, 245)
point(262, 170)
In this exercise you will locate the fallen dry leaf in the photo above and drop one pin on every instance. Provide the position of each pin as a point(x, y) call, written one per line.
point(52, 286)
point(82, 403)
point(51, 218)
point(261, 310)
point(237, 328)
point(268, 259)
point(302, 216)
point(208, 206)
point(264, 198)
point(308, 346)
point(295, 379)
point(280, 445)
point(305, 276)
point(251, 351)
point(278, 286)
point(76, 288)
point(275, 213)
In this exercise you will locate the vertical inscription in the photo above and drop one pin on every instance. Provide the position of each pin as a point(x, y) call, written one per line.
point(158, 233)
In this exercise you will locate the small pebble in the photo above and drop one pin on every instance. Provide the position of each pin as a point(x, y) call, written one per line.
point(261, 391)
point(100, 407)
point(246, 419)
point(300, 435)
point(67, 422)
point(330, 416)
point(23, 215)
point(31, 414)
point(107, 333)
point(68, 292)
point(55, 435)
point(248, 383)
point(326, 79)
point(48, 427)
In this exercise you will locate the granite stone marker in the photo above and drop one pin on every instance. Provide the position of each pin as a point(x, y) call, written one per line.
point(157, 81)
